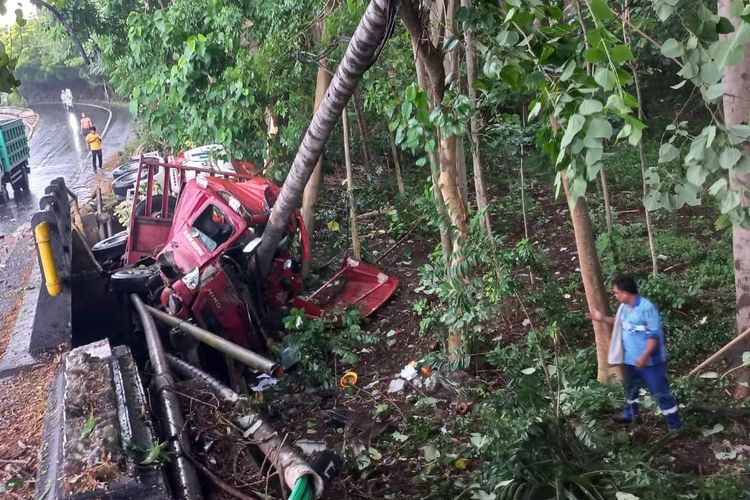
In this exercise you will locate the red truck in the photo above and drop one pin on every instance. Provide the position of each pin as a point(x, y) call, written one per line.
point(202, 234)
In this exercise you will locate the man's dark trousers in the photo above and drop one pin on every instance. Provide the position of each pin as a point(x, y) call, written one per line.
point(97, 153)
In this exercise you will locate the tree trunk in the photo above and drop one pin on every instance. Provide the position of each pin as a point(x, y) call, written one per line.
point(593, 283)
point(607, 204)
point(432, 59)
point(310, 195)
point(476, 157)
point(461, 179)
point(396, 163)
point(446, 241)
point(356, 252)
point(736, 110)
point(68, 27)
point(364, 134)
point(364, 48)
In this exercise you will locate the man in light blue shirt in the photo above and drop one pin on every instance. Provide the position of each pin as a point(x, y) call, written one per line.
point(645, 354)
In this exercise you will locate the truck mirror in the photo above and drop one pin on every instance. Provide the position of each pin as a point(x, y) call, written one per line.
point(250, 247)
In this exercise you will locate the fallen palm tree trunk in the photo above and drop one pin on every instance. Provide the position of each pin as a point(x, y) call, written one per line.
point(184, 476)
point(290, 466)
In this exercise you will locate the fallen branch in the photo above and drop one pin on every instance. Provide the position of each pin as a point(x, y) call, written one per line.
point(400, 240)
point(718, 354)
point(375, 213)
point(723, 410)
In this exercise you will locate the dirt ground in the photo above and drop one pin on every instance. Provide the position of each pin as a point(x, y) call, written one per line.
point(22, 412)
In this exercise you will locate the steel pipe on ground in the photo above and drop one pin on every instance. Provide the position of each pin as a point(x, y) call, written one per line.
point(244, 356)
point(285, 460)
point(184, 475)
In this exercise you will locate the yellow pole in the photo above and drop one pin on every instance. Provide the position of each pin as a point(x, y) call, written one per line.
point(51, 279)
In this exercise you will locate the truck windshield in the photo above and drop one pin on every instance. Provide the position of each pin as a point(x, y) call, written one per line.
point(212, 228)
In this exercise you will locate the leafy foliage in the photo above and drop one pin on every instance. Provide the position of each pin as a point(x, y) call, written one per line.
point(321, 342)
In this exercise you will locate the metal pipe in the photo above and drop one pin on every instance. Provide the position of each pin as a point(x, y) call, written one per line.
point(287, 462)
point(186, 370)
point(47, 259)
point(184, 475)
point(244, 356)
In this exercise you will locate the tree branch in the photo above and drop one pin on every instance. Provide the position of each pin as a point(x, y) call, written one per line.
point(68, 27)
point(433, 60)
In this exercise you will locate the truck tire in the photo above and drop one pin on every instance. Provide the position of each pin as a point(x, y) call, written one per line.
point(123, 184)
point(125, 168)
point(140, 209)
point(135, 279)
point(25, 180)
point(110, 248)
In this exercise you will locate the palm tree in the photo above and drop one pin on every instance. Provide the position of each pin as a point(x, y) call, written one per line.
point(364, 48)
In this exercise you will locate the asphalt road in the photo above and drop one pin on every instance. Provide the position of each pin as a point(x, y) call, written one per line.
point(58, 150)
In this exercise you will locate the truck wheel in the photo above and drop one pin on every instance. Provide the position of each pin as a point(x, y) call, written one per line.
point(135, 280)
point(110, 248)
point(125, 168)
point(140, 209)
point(25, 181)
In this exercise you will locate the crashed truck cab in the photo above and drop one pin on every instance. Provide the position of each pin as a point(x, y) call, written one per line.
point(207, 261)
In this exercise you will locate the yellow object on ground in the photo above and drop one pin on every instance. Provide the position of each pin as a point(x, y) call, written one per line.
point(349, 378)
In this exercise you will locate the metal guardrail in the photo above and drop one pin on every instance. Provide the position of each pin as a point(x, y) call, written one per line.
point(52, 322)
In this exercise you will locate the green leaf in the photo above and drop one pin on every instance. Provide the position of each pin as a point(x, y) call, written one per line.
point(714, 92)
point(575, 124)
point(88, 426)
point(652, 200)
point(535, 109)
point(728, 201)
point(667, 153)
point(589, 107)
point(528, 371)
point(696, 175)
point(718, 186)
point(605, 79)
point(710, 73)
point(729, 157)
point(595, 55)
point(10, 484)
point(724, 26)
point(672, 48)
point(578, 188)
point(621, 54)
point(568, 69)
point(599, 128)
point(601, 10)
point(593, 156)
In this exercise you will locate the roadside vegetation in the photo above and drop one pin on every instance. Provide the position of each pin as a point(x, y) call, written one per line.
point(528, 155)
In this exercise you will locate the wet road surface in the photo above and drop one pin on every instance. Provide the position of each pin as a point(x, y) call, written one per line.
point(58, 150)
